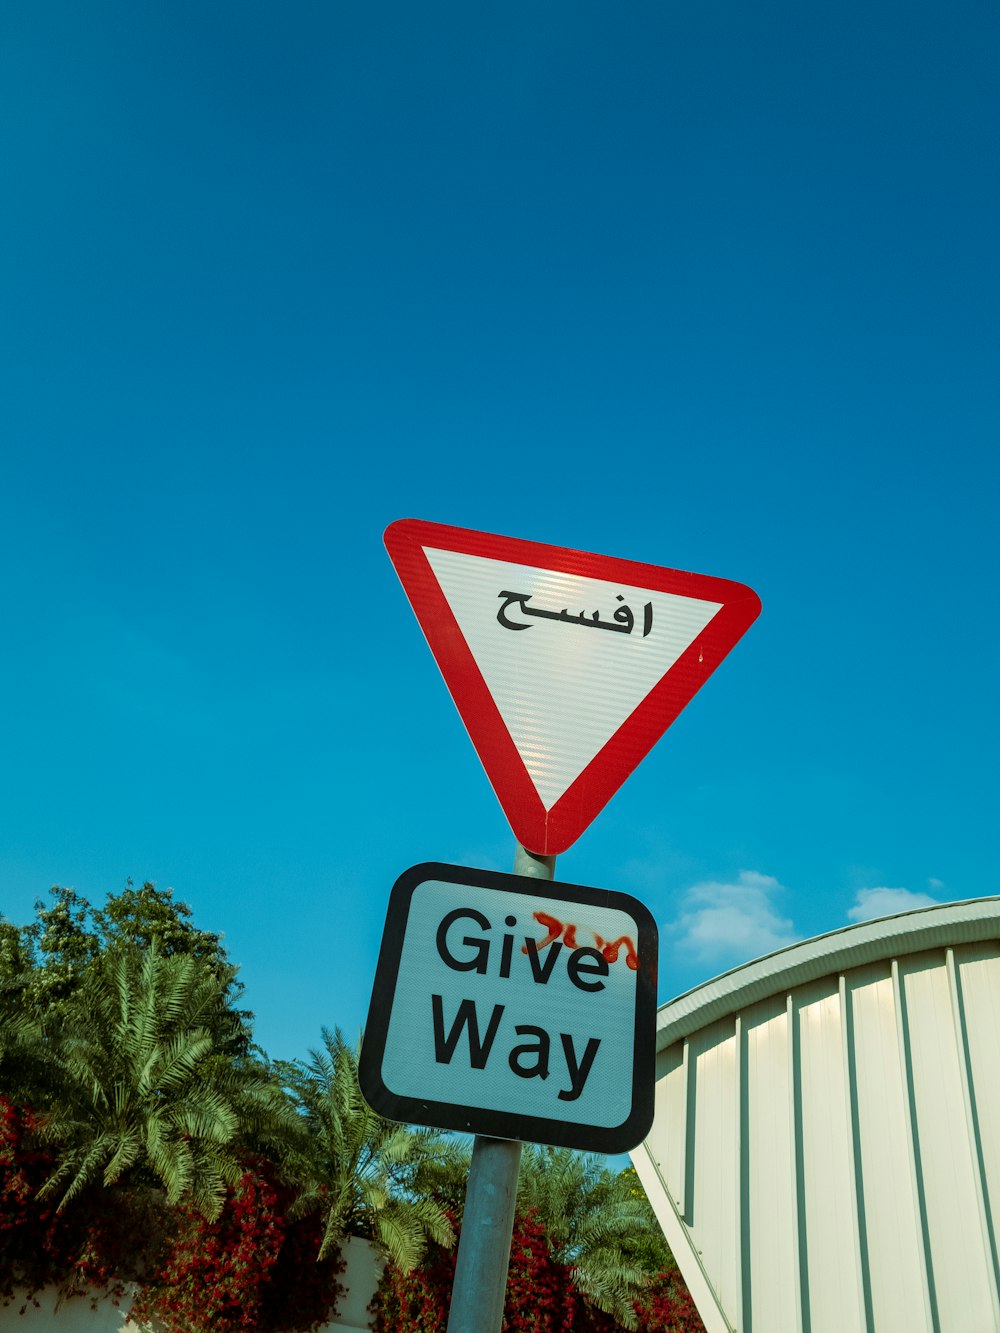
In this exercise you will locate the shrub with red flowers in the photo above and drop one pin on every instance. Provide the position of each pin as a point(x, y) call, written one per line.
point(416, 1302)
point(26, 1258)
point(541, 1294)
point(214, 1272)
point(300, 1293)
point(668, 1307)
point(250, 1268)
point(88, 1250)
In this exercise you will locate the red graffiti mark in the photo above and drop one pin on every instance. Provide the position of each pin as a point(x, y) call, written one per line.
point(555, 929)
point(553, 926)
point(609, 948)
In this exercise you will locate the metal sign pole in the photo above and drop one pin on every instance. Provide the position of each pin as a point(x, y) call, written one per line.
point(480, 1285)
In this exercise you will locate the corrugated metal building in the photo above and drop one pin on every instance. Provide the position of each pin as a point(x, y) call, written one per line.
point(826, 1150)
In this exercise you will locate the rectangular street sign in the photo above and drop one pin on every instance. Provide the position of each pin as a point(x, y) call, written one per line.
point(515, 1008)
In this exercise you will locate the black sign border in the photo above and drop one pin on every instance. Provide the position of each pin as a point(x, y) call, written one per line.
point(506, 1124)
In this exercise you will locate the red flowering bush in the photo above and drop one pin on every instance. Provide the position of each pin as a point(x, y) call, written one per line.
point(252, 1268)
point(26, 1258)
point(249, 1269)
point(416, 1302)
point(300, 1293)
point(214, 1271)
point(90, 1249)
point(669, 1308)
point(541, 1295)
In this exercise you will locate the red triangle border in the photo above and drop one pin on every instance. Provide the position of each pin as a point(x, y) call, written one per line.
point(549, 832)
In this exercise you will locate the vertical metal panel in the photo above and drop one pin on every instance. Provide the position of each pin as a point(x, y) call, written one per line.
point(682, 1120)
point(713, 1208)
point(800, 1283)
point(834, 1296)
point(769, 1169)
point(909, 1123)
point(894, 1250)
point(670, 1151)
point(972, 1128)
point(740, 1147)
point(854, 1181)
point(963, 1282)
point(978, 968)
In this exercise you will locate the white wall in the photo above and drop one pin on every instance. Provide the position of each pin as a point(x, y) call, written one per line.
point(71, 1316)
point(77, 1315)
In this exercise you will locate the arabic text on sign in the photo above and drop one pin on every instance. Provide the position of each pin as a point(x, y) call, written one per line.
point(622, 622)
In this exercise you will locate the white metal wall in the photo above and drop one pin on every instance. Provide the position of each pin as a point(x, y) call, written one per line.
point(826, 1147)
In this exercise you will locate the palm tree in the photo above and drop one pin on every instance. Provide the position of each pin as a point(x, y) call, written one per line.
point(25, 1057)
point(364, 1172)
point(143, 1085)
point(593, 1220)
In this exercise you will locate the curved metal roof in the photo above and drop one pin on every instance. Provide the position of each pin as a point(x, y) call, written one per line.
point(826, 1148)
point(896, 936)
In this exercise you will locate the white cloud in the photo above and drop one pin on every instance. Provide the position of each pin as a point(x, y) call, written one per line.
point(870, 903)
point(732, 923)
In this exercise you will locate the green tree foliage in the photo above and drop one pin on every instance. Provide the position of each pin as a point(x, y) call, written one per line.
point(142, 1084)
point(68, 936)
point(44, 965)
point(366, 1175)
point(132, 1088)
point(595, 1224)
point(150, 915)
point(59, 945)
point(648, 1247)
point(22, 1057)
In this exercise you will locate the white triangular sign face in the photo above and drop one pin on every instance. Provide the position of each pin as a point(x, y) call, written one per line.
point(566, 667)
point(562, 689)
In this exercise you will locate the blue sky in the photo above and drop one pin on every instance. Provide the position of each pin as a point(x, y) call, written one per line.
point(711, 286)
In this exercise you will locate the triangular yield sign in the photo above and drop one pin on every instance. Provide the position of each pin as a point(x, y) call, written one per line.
point(565, 667)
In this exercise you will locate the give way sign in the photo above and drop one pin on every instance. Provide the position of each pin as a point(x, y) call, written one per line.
point(565, 667)
point(514, 1007)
